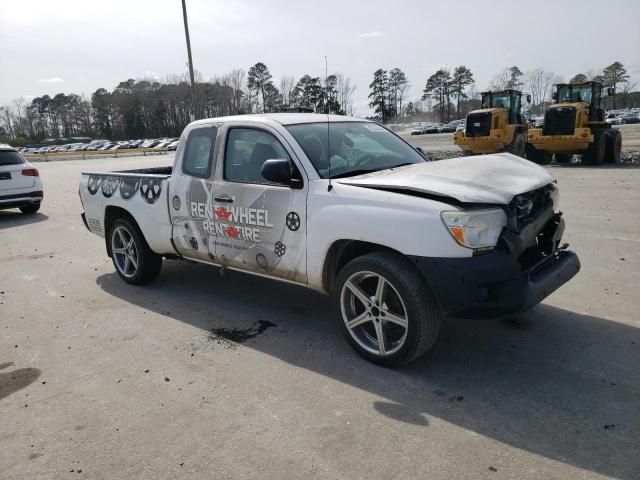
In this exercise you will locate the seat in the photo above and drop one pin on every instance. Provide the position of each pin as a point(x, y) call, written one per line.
point(313, 148)
point(261, 153)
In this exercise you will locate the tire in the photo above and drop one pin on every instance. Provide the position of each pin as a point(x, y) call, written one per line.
point(614, 146)
point(132, 258)
point(541, 157)
point(594, 155)
point(403, 295)
point(518, 145)
point(563, 157)
point(30, 209)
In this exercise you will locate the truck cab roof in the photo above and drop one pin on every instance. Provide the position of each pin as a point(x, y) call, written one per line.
point(283, 118)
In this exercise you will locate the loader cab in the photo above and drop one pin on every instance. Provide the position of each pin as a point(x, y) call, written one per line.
point(584, 92)
point(511, 100)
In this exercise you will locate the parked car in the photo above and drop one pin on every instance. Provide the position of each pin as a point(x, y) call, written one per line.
point(629, 117)
point(613, 119)
point(461, 127)
point(447, 128)
point(172, 146)
point(435, 128)
point(395, 242)
point(20, 184)
point(421, 129)
point(537, 122)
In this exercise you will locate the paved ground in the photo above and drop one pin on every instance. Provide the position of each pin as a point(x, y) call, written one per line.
point(443, 142)
point(115, 381)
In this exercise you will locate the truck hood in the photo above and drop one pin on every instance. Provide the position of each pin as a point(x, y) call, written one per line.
point(495, 178)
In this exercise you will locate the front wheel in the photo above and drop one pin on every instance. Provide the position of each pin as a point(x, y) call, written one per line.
point(386, 311)
point(135, 262)
point(614, 146)
point(541, 157)
point(518, 146)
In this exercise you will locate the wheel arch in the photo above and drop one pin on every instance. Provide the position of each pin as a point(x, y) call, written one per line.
point(111, 214)
point(343, 251)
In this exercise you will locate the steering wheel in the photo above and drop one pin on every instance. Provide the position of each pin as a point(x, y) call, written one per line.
point(363, 160)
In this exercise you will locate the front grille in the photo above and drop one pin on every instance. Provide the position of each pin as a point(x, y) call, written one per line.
point(527, 205)
point(559, 121)
point(478, 124)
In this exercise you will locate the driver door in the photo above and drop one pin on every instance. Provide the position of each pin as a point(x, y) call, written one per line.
point(260, 226)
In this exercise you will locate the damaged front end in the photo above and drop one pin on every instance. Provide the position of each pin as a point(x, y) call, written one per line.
point(528, 263)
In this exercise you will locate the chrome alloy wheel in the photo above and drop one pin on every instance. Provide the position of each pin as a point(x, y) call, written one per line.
point(124, 251)
point(374, 313)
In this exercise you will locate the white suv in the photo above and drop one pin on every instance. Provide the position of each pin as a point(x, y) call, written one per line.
point(20, 185)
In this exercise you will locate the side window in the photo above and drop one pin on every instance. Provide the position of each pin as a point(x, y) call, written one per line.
point(247, 150)
point(198, 153)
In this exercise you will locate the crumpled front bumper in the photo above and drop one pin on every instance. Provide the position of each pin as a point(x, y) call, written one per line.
point(496, 284)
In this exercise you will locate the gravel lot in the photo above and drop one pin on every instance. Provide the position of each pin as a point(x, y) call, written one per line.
point(103, 380)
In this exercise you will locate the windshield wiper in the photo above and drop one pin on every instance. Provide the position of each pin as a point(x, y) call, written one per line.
point(353, 173)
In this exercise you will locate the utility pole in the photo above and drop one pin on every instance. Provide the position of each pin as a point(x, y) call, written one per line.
point(194, 115)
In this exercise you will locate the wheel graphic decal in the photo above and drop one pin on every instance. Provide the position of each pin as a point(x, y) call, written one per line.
point(261, 260)
point(150, 189)
point(293, 221)
point(129, 187)
point(280, 249)
point(94, 184)
point(176, 202)
point(110, 185)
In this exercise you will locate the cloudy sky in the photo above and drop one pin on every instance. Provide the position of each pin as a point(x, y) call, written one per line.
point(47, 47)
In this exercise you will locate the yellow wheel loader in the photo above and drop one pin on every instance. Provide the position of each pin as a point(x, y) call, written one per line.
point(498, 127)
point(575, 124)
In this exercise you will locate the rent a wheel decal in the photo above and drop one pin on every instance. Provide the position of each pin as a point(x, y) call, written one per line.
point(150, 189)
point(293, 221)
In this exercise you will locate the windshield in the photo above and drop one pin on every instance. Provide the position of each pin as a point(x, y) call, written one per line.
point(496, 100)
point(352, 148)
point(574, 93)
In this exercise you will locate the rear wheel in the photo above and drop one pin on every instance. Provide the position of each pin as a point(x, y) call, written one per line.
point(135, 262)
point(594, 155)
point(541, 157)
point(30, 209)
point(614, 146)
point(386, 311)
point(518, 146)
point(563, 157)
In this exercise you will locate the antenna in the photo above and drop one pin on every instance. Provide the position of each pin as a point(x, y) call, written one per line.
point(326, 107)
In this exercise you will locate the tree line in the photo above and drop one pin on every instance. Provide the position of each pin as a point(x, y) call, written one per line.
point(450, 93)
point(151, 108)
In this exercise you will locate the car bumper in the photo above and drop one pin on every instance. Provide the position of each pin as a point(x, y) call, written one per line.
point(20, 200)
point(494, 285)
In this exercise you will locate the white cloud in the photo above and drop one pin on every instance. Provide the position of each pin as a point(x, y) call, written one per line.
point(371, 34)
point(51, 80)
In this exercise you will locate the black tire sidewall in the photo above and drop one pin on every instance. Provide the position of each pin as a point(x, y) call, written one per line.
point(419, 310)
point(147, 259)
point(30, 209)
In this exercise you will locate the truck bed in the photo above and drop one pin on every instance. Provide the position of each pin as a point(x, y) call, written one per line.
point(143, 193)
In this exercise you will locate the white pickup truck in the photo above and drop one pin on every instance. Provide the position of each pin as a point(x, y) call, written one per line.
point(345, 207)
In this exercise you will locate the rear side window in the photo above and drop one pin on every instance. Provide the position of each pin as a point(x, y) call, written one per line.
point(10, 158)
point(198, 154)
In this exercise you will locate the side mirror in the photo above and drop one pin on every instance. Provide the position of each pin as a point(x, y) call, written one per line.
point(278, 170)
point(528, 98)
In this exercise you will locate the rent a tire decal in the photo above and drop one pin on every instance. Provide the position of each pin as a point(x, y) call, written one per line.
point(94, 184)
point(128, 187)
point(110, 185)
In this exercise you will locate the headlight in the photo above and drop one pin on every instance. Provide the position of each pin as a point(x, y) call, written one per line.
point(475, 228)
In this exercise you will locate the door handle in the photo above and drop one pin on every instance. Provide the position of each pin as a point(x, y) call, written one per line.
point(223, 199)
